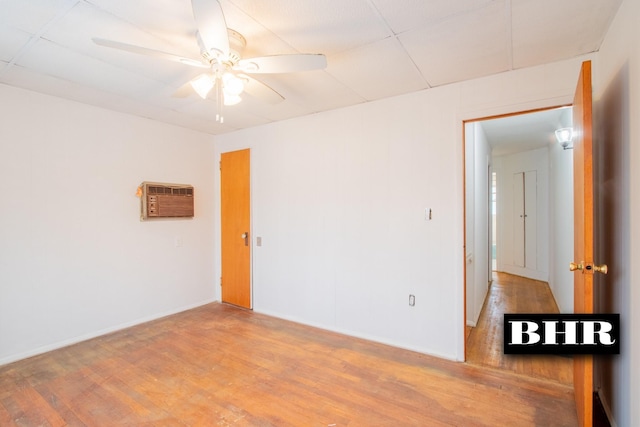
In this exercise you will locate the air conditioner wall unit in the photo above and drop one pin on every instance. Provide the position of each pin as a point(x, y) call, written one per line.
point(160, 200)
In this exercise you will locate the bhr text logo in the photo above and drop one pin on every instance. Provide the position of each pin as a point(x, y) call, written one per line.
point(561, 334)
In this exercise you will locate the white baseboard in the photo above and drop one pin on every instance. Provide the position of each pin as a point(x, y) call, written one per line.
point(65, 343)
point(354, 334)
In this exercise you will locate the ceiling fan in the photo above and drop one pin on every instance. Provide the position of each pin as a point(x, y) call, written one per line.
point(221, 53)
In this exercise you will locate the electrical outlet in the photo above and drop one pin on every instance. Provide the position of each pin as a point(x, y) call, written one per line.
point(412, 300)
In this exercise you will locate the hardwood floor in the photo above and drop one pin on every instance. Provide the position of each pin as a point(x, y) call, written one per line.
point(514, 294)
point(220, 365)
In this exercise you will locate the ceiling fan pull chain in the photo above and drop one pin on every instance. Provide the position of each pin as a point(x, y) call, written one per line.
point(219, 99)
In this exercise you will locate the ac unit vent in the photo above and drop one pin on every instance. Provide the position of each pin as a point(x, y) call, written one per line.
point(166, 201)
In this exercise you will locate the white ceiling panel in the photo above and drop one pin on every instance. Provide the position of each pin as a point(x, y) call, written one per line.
point(321, 90)
point(12, 40)
point(548, 30)
point(390, 70)
point(448, 52)
point(56, 61)
point(92, 22)
point(318, 26)
point(168, 20)
point(33, 15)
point(273, 112)
point(50, 85)
point(375, 49)
point(233, 117)
point(404, 15)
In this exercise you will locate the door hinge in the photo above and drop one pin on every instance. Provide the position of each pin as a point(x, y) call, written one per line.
point(220, 281)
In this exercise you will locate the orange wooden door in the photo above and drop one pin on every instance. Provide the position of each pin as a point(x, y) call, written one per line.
point(583, 234)
point(236, 224)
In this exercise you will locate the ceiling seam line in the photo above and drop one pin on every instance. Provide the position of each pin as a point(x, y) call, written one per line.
point(395, 36)
point(38, 35)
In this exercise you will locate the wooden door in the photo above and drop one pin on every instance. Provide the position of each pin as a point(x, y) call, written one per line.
point(236, 241)
point(583, 234)
point(525, 230)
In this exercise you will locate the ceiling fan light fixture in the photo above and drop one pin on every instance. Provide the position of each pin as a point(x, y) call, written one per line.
point(202, 85)
point(221, 51)
point(233, 86)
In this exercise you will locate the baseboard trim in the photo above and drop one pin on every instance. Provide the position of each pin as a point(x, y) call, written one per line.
point(358, 335)
point(75, 340)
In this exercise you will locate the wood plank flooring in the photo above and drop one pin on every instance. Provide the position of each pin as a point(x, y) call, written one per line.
point(514, 294)
point(219, 365)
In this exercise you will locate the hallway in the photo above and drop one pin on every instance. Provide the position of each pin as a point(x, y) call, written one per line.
point(514, 294)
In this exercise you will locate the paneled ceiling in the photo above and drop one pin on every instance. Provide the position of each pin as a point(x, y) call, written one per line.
point(374, 49)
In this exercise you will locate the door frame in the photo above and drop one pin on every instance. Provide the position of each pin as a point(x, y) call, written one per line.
point(472, 119)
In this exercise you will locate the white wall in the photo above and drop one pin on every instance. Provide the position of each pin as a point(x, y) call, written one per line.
point(75, 260)
point(477, 157)
point(617, 156)
point(506, 167)
point(561, 226)
point(339, 199)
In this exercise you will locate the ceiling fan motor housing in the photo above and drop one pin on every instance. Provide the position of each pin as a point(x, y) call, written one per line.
point(237, 43)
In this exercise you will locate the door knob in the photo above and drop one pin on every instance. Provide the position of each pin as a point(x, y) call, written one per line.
point(601, 268)
point(245, 236)
point(589, 267)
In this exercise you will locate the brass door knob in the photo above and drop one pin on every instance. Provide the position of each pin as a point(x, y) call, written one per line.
point(589, 267)
point(601, 268)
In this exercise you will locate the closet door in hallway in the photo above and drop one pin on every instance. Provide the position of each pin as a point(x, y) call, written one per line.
point(525, 187)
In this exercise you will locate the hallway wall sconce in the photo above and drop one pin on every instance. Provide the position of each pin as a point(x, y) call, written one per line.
point(564, 137)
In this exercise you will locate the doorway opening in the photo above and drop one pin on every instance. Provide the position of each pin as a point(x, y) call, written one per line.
point(518, 229)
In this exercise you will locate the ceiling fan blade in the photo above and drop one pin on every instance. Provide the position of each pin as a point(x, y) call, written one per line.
point(212, 26)
point(260, 90)
point(149, 52)
point(200, 85)
point(282, 63)
point(184, 91)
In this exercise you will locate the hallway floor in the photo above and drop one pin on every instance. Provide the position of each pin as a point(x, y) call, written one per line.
point(515, 294)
